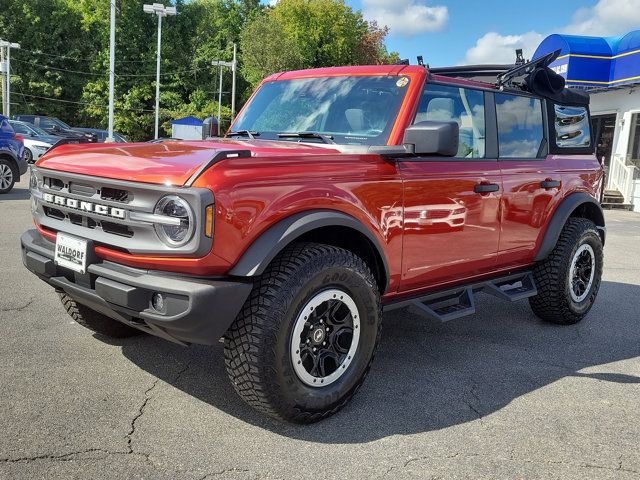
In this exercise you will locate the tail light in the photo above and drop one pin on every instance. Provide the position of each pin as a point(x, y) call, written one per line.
point(20, 138)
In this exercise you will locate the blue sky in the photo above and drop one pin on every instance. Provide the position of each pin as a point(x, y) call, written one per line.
point(450, 32)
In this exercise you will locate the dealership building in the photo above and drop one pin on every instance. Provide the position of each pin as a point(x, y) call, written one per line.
point(609, 69)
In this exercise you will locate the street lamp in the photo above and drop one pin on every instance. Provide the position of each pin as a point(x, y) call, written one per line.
point(6, 68)
point(161, 11)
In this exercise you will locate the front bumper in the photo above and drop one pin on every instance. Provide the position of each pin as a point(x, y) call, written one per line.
point(195, 310)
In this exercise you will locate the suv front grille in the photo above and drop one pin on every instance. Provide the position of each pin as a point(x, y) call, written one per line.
point(114, 194)
point(114, 213)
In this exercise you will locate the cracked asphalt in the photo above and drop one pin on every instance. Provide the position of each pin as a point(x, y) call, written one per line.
point(496, 395)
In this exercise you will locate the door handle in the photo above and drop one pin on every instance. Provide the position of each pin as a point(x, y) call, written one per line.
point(549, 183)
point(486, 187)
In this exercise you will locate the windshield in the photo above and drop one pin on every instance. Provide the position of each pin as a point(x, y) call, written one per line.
point(38, 130)
point(61, 123)
point(346, 110)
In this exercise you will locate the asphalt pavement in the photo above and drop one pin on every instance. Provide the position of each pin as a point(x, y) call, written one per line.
point(495, 395)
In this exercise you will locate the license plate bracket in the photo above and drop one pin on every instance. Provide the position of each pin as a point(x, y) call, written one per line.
point(71, 252)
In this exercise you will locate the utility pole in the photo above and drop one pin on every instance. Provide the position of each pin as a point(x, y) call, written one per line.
point(7, 75)
point(234, 68)
point(4, 82)
point(221, 64)
point(161, 11)
point(112, 68)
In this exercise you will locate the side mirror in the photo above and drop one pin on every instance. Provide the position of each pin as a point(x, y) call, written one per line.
point(432, 138)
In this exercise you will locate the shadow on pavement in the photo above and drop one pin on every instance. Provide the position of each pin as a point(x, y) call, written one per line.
point(16, 194)
point(430, 376)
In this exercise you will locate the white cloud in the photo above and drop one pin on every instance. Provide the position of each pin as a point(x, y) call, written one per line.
point(406, 17)
point(606, 17)
point(495, 48)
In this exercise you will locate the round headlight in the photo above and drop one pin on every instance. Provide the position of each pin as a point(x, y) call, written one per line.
point(179, 231)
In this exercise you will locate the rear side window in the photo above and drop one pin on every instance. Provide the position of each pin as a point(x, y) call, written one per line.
point(5, 128)
point(443, 103)
point(572, 127)
point(520, 130)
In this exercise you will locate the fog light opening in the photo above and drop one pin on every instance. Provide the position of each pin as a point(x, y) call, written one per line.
point(157, 302)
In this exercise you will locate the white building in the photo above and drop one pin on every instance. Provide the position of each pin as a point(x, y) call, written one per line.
point(609, 68)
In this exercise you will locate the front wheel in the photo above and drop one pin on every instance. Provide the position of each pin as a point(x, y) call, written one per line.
point(305, 339)
point(569, 278)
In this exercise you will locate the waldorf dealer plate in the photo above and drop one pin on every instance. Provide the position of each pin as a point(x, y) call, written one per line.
point(71, 252)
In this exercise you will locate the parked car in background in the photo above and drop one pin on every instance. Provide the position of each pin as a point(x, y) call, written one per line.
point(34, 149)
point(103, 134)
point(12, 163)
point(55, 126)
point(27, 130)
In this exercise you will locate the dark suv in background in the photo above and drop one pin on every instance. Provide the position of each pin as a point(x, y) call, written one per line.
point(12, 162)
point(55, 126)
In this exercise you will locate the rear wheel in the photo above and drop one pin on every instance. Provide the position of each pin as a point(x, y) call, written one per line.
point(7, 176)
point(569, 278)
point(96, 321)
point(304, 341)
point(28, 155)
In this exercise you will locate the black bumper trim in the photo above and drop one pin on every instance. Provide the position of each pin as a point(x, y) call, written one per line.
point(195, 310)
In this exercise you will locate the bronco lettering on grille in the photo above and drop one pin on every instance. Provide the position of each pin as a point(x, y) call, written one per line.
point(85, 206)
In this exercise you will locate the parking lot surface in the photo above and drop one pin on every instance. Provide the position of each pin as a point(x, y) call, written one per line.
point(495, 395)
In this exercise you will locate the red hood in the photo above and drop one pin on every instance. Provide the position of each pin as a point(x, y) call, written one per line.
point(163, 163)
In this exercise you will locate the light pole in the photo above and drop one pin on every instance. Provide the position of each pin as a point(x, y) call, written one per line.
point(161, 11)
point(231, 65)
point(112, 68)
point(7, 70)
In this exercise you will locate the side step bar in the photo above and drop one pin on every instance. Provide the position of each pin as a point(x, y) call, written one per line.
point(460, 301)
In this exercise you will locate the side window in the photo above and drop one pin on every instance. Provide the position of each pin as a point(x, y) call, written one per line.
point(21, 129)
point(520, 131)
point(46, 123)
point(572, 127)
point(5, 128)
point(464, 106)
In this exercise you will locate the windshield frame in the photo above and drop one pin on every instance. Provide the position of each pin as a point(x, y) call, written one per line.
point(406, 89)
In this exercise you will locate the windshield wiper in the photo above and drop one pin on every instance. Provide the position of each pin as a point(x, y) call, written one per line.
point(244, 133)
point(320, 136)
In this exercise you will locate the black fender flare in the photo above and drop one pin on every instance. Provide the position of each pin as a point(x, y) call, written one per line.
point(263, 250)
point(560, 217)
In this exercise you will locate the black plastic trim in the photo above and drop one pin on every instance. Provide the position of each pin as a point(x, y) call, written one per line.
point(217, 157)
point(258, 256)
point(560, 217)
point(195, 310)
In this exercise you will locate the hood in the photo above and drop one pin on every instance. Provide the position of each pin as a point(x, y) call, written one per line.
point(168, 163)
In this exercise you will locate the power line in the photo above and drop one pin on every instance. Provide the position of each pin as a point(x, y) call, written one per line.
point(80, 59)
point(125, 75)
point(84, 103)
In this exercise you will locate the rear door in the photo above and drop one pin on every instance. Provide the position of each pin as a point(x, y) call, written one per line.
point(451, 205)
point(531, 179)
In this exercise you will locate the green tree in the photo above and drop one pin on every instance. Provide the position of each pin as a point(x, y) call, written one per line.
point(308, 34)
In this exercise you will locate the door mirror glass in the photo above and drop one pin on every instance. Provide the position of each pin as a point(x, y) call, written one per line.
point(432, 138)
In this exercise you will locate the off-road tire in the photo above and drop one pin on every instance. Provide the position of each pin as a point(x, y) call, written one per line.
point(554, 302)
point(257, 346)
point(7, 167)
point(96, 321)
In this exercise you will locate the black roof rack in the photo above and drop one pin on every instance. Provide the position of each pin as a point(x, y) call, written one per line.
point(507, 78)
point(482, 73)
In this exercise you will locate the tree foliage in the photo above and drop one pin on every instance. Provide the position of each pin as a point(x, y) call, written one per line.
point(62, 67)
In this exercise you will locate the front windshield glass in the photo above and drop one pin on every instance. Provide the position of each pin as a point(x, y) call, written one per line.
point(347, 110)
point(38, 131)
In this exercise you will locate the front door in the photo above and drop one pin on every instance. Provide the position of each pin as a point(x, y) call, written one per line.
point(451, 205)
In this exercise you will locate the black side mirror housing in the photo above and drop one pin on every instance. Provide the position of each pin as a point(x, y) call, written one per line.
point(432, 138)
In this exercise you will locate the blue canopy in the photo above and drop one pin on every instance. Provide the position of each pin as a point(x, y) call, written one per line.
point(190, 120)
point(601, 62)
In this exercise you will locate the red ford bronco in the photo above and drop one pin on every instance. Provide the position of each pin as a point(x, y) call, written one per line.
point(337, 194)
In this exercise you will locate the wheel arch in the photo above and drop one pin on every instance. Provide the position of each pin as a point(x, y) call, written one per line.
point(320, 226)
point(577, 204)
point(12, 160)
